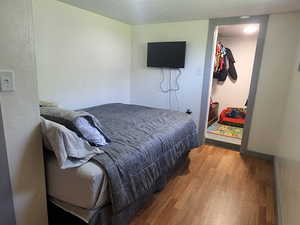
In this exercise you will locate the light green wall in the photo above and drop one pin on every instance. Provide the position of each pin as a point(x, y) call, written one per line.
point(20, 112)
point(288, 155)
point(83, 59)
point(145, 81)
point(276, 124)
point(273, 84)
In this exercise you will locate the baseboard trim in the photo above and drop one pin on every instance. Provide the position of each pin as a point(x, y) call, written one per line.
point(237, 148)
point(222, 144)
point(259, 155)
point(278, 192)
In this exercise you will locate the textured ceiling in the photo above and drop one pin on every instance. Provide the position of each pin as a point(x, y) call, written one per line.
point(156, 11)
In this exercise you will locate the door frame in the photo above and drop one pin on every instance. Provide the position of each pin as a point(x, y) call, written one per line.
point(7, 211)
point(208, 72)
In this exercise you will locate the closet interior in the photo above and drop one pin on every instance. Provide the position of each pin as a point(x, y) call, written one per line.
point(233, 65)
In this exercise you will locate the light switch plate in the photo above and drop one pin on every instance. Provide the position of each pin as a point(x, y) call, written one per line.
point(7, 81)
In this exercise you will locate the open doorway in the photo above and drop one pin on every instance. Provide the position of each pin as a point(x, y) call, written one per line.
point(233, 97)
point(233, 65)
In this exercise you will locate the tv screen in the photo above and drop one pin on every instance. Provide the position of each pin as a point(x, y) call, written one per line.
point(166, 54)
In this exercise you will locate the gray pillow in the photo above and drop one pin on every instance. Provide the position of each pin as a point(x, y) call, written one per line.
point(48, 104)
point(69, 149)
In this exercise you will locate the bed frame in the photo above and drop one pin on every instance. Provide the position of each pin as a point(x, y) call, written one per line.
point(104, 215)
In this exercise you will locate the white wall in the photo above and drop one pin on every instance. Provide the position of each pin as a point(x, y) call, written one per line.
point(235, 93)
point(83, 59)
point(273, 84)
point(145, 81)
point(21, 113)
point(288, 155)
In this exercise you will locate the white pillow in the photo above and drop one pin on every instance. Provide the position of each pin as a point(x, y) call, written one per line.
point(69, 149)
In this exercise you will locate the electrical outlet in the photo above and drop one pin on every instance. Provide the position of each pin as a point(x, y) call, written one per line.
point(7, 81)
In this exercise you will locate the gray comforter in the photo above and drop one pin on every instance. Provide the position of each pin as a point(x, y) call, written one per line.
point(145, 144)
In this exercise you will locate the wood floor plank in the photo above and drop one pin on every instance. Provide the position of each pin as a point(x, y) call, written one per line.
point(217, 187)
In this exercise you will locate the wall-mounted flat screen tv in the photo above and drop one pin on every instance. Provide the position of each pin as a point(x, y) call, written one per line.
point(166, 54)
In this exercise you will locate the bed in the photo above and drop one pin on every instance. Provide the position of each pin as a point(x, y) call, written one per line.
point(147, 144)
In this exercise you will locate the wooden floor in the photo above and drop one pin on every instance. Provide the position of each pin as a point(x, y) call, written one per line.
point(217, 187)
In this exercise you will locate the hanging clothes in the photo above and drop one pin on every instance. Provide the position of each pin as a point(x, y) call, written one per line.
point(219, 61)
point(224, 63)
point(231, 68)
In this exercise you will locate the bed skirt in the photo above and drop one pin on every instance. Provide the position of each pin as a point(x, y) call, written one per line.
point(104, 215)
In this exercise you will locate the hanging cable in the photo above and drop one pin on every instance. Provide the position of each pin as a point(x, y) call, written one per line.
point(170, 89)
point(177, 83)
point(178, 88)
point(162, 81)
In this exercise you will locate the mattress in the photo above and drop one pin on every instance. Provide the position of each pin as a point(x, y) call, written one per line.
point(85, 186)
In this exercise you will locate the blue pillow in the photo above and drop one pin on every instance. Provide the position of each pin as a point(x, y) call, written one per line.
point(89, 132)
